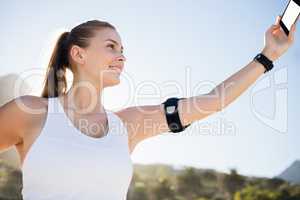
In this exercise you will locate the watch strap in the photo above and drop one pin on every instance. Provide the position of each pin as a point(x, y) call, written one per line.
point(266, 62)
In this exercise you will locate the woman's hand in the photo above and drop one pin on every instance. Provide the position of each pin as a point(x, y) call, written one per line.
point(276, 41)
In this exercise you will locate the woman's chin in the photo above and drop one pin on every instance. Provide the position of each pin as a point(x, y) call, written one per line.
point(113, 81)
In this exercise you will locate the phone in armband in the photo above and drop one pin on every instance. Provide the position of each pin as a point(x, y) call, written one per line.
point(290, 15)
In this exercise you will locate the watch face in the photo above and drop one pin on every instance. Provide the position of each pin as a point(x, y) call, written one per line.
point(258, 56)
point(170, 109)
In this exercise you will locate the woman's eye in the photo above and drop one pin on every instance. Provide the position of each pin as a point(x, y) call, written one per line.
point(111, 45)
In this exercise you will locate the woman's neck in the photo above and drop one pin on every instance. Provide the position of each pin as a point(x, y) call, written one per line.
point(83, 98)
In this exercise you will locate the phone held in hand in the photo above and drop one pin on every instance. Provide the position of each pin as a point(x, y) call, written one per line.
point(290, 15)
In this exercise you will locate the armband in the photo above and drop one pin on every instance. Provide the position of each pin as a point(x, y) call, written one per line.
point(172, 116)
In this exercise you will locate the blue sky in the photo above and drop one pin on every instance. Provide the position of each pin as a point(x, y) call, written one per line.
point(189, 42)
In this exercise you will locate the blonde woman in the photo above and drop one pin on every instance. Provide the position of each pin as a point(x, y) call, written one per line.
point(61, 158)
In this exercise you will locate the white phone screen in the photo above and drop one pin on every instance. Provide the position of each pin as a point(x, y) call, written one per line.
point(290, 14)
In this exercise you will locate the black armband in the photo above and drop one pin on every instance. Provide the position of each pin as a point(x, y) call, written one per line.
point(172, 116)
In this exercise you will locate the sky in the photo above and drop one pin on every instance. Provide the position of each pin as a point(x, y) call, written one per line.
point(178, 49)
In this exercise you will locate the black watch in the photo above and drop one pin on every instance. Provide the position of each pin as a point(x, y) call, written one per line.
point(266, 62)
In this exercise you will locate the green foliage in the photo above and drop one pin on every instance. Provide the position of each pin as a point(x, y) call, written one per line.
point(10, 182)
point(162, 182)
point(139, 191)
point(164, 190)
point(189, 183)
point(195, 184)
point(254, 193)
point(234, 181)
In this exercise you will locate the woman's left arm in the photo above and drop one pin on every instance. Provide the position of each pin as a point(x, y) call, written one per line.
point(146, 121)
point(276, 44)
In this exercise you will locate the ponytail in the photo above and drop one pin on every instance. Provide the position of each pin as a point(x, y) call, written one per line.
point(55, 82)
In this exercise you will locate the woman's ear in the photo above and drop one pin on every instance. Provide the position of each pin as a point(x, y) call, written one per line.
point(77, 54)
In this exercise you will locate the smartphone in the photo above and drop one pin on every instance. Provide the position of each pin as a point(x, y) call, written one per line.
point(290, 15)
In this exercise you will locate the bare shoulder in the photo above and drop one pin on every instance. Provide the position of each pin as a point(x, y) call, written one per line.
point(32, 102)
point(129, 118)
point(21, 121)
point(29, 111)
point(125, 117)
point(143, 122)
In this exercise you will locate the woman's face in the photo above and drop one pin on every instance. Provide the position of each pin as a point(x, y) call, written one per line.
point(103, 58)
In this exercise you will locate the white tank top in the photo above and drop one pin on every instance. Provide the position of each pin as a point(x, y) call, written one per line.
point(65, 164)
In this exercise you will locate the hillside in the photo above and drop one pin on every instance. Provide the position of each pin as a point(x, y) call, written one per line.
point(163, 182)
point(292, 173)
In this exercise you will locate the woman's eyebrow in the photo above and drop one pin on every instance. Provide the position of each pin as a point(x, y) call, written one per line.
point(111, 40)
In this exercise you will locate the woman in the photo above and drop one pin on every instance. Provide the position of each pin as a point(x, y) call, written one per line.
point(63, 156)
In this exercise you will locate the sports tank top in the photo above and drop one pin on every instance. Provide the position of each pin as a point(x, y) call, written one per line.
point(64, 163)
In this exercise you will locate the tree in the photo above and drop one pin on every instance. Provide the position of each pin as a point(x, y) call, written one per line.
point(254, 193)
point(138, 192)
point(164, 190)
point(189, 183)
point(233, 182)
point(10, 181)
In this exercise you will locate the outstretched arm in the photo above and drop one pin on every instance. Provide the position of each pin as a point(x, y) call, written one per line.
point(195, 108)
point(147, 121)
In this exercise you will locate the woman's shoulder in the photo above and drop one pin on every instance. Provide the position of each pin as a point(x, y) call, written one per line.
point(26, 105)
point(34, 102)
point(32, 110)
point(31, 113)
point(23, 115)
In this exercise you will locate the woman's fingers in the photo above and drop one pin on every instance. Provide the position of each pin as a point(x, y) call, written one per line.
point(275, 26)
point(278, 18)
point(291, 36)
point(273, 29)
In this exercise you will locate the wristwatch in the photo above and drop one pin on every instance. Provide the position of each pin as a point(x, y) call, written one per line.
point(266, 62)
